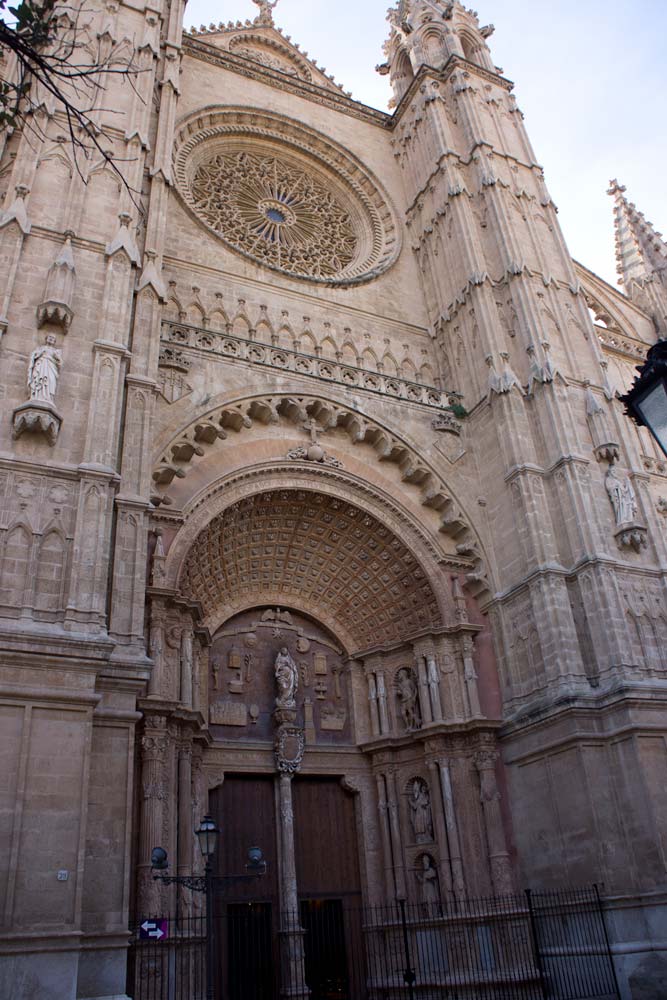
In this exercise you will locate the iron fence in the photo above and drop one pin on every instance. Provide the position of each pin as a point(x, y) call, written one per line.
point(536, 946)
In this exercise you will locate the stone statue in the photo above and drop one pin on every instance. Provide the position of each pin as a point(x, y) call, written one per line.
point(429, 883)
point(266, 8)
point(408, 699)
point(44, 370)
point(287, 679)
point(622, 496)
point(420, 812)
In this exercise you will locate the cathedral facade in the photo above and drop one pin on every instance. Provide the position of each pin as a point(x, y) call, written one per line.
point(320, 512)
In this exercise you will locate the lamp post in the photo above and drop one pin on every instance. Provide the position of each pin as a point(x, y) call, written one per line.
point(208, 883)
point(646, 402)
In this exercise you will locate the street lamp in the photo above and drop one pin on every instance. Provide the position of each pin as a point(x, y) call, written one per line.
point(646, 402)
point(208, 883)
point(207, 835)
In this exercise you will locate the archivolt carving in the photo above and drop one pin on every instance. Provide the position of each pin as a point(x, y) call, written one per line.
point(269, 53)
point(293, 201)
point(303, 410)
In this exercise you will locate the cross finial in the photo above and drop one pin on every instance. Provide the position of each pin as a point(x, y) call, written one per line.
point(266, 8)
point(313, 429)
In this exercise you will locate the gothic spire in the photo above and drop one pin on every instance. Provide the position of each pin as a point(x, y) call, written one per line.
point(640, 251)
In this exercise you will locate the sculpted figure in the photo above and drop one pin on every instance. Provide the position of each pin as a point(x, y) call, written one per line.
point(408, 698)
point(44, 370)
point(428, 881)
point(420, 812)
point(622, 496)
point(287, 679)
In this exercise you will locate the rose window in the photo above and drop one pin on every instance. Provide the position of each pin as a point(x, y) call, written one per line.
point(277, 213)
point(284, 196)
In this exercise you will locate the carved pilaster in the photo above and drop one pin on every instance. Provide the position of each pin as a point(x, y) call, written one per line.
point(424, 694)
point(154, 792)
point(451, 823)
point(445, 866)
point(434, 686)
point(187, 661)
point(385, 835)
point(470, 676)
point(382, 701)
point(395, 830)
point(373, 703)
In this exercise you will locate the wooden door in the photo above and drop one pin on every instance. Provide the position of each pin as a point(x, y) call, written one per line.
point(246, 912)
point(327, 865)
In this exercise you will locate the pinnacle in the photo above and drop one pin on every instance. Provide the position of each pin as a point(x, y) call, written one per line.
point(640, 250)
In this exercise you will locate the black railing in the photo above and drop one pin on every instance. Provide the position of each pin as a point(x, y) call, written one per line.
point(536, 946)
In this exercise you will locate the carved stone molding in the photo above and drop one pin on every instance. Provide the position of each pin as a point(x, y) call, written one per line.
point(631, 536)
point(211, 429)
point(182, 338)
point(290, 746)
point(35, 417)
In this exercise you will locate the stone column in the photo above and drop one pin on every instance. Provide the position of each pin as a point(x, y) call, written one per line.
point(424, 696)
point(385, 834)
point(452, 828)
point(185, 827)
point(470, 675)
point(501, 871)
point(291, 932)
point(382, 701)
point(395, 829)
point(156, 647)
point(434, 687)
point(154, 746)
point(438, 812)
point(186, 667)
point(373, 704)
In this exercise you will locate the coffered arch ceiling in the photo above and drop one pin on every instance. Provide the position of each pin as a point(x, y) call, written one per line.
point(316, 552)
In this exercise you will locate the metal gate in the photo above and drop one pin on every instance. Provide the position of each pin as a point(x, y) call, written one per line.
point(536, 946)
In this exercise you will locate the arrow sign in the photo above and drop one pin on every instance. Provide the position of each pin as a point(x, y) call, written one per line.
point(154, 930)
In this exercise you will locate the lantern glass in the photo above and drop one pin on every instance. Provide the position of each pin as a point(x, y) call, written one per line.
point(652, 407)
point(207, 835)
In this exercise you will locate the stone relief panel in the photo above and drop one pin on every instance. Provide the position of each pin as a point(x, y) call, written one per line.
point(37, 514)
point(267, 655)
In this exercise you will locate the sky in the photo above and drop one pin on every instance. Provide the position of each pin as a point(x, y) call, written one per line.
point(590, 79)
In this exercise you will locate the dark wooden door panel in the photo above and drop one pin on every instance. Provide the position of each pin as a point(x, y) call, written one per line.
point(325, 829)
point(244, 809)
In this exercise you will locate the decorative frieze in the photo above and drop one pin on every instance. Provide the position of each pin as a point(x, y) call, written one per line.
point(178, 338)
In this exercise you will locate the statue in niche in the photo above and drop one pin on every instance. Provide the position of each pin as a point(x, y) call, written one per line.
point(44, 370)
point(420, 812)
point(429, 884)
point(215, 667)
point(622, 496)
point(408, 699)
point(287, 679)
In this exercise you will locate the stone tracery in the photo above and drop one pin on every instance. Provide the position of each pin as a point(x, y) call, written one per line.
point(279, 214)
point(340, 204)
